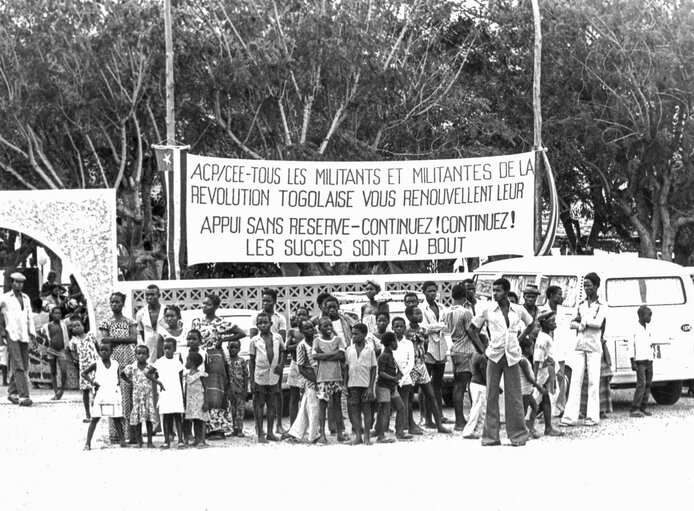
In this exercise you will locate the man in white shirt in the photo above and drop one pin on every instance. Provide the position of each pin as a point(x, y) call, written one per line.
point(504, 353)
point(642, 363)
point(18, 330)
point(437, 347)
point(590, 323)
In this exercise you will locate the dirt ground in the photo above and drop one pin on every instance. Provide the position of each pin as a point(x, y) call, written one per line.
point(624, 463)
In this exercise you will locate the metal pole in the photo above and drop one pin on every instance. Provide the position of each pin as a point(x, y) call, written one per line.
point(537, 124)
point(170, 116)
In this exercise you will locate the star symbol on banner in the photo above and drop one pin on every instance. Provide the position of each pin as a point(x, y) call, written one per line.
point(167, 160)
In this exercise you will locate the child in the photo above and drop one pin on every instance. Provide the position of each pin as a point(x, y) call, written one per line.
point(389, 375)
point(360, 378)
point(294, 337)
point(238, 387)
point(140, 376)
point(544, 366)
point(84, 346)
point(267, 354)
point(527, 383)
point(478, 396)
point(107, 400)
point(404, 356)
point(306, 422)
point(56, 338)
point(193, 345)
point(329, 352)
point(419, 373)
point(373, 339)
point(642, 363)
point(170, 372)
point(196, 402)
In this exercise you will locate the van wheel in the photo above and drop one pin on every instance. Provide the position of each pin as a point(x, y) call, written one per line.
point(667, 394)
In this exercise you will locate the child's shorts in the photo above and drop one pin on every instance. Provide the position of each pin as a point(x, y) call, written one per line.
point(326, 389)
point(266, 390)
point(384, 395)
point(357, 395)
point(52, 354)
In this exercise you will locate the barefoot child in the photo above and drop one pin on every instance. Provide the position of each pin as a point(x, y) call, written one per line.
point(419, 374)
point(170, 372)
point(528, 383)
point(107, 400)
point(196, 402)
point(267, 354)
point(56, 339)
point(83, 346)
point(478, 397)
point(389, 375)
point(140, 375)
point(294, 337)
point(360, 380)
point(404, 356)
point(329, 352)
point(238, 387)
point(545, 368)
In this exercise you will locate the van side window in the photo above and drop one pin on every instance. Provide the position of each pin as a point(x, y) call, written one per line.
point(650, 291)
point(568, 285)
point(518, 283)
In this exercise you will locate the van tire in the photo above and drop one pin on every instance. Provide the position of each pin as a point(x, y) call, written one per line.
point(667, 394)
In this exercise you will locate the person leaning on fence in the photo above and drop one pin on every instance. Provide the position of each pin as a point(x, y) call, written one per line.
point(642, 363)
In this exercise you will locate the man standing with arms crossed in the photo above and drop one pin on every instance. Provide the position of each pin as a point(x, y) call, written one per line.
point(17, 331)
point(504, 319)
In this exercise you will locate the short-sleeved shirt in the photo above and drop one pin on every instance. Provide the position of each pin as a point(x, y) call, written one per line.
point(359, 366)
point(304, 358)
point(387, 364)
point(527, 386)
point(544, 348)
point(593, 318)
point(458, 320)
point(642, 343)
point(264, 368)
point(438, 347)
point(279, 322)
point(404, 356)
point(329, 370)
point(19, 319)
point(504, 339)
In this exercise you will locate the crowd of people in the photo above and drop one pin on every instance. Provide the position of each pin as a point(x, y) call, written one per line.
point(191, 383)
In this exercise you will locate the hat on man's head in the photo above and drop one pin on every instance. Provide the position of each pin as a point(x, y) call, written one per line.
point(19, 277)
point(531, 289)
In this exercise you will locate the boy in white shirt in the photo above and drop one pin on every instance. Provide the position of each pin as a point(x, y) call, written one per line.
point(642, 363)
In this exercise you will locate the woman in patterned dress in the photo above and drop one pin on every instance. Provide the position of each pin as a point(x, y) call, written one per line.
point(122, 332)
point(215, 331)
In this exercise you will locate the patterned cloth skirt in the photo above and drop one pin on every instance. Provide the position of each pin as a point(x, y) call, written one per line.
point(124, 354)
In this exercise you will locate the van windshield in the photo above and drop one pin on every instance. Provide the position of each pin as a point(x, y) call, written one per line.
point(645, 291)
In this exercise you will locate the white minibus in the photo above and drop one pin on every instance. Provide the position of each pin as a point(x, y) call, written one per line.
point(626, 284)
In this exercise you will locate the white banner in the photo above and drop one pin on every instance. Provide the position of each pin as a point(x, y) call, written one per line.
point(282, 211)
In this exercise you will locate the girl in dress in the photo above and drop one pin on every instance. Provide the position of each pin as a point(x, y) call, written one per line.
point(121, 332)
point(107, 400)
point(196, 402)
point(140, 376)
point(170, 372)
point(84, 346)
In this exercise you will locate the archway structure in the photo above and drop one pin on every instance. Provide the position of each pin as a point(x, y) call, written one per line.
point(80, 227)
